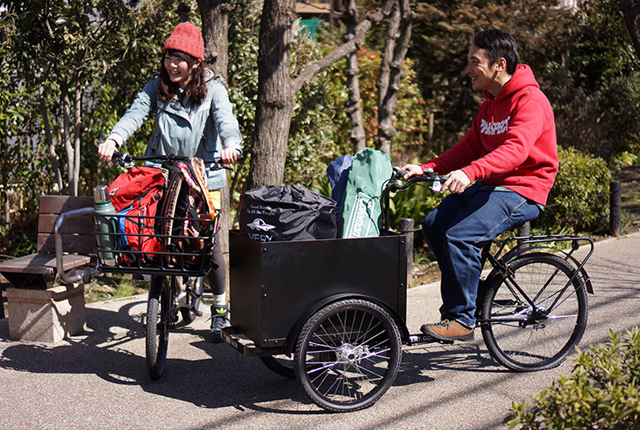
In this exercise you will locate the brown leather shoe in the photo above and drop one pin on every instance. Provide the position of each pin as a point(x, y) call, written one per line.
point(448, 330)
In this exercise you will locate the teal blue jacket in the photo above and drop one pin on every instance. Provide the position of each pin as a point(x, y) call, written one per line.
point(182, 128)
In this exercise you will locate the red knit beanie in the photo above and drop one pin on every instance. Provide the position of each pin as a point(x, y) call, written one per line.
point(188, 39)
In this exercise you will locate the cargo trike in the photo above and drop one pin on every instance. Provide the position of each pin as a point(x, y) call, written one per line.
point(332, 312)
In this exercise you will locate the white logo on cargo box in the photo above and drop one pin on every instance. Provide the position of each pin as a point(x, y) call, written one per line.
point(259, 224)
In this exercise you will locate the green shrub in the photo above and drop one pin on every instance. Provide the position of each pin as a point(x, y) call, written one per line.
point(579, 198)
point(601, 392)
point(415, 202)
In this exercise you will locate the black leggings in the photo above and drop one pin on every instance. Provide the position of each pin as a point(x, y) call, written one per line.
point(218, 277)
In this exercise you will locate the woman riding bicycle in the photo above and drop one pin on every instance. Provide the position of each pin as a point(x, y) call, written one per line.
point(194, 118)
point(511, 153)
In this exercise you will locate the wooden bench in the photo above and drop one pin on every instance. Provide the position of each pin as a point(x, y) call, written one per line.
point(39, 307)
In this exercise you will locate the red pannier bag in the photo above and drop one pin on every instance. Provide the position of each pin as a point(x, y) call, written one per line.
point(135, 196)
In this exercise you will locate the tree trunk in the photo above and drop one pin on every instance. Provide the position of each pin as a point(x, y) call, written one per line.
point(396, 44)
point(77, 134)
point(275, 95)
point(353, 106)
point(630, 10)
point(49, 138)
point(66, 136)
point(215, 31)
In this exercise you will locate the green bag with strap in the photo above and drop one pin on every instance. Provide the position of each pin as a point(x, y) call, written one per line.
point(361, 214)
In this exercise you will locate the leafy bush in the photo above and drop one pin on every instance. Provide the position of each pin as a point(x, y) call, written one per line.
point(580, 196)
point(601, 392)
point(415, 202)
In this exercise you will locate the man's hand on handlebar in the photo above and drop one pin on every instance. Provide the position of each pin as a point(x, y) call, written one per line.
point(106, 150)
point(412, 170)
point(456, 182)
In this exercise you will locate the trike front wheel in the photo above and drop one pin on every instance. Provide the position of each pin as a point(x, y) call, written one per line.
point(348, 355)
point(158, 322)
point(525, 337)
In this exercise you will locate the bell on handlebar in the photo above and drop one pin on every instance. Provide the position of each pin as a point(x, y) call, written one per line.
point(436, 186)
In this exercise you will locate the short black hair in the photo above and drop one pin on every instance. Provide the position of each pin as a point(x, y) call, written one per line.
point(498, 45)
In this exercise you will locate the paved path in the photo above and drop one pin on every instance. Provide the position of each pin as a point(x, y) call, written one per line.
point(98, 380)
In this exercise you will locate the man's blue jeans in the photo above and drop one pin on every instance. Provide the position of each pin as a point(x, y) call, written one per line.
point(457, 230)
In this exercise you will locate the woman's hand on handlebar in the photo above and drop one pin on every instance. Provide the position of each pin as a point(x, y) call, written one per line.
point(229, 155)
point(106, 150)
point(412, 170)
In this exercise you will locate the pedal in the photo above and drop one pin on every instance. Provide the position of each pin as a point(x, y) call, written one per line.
point(415, 339)
point(198, 312)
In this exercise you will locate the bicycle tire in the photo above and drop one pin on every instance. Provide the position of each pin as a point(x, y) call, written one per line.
point(544, 341)
point(348, 355)
point(157, 330)
point(280, 364)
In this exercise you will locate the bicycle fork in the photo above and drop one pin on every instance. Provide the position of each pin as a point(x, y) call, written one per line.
point(190, 294)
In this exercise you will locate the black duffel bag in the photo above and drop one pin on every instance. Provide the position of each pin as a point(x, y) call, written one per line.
point(290, 212)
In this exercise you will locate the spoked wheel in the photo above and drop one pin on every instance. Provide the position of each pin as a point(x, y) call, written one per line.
point(348, 355)
point(192, 300)
point(280, 364)
point(524, 337)
point(158, 322)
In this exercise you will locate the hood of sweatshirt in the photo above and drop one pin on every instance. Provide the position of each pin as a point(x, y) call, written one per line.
point(522, 77)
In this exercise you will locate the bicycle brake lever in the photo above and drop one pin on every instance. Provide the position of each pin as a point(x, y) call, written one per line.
point(436, 186)
point(123, 159)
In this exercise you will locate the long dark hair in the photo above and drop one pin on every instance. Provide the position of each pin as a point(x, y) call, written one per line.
point(197, 86)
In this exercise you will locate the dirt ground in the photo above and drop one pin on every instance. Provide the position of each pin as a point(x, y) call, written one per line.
point(629, 177)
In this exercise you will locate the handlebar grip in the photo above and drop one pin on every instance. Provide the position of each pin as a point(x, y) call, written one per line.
point(398, 173)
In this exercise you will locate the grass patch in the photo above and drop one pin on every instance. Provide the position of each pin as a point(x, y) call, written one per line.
point(113, 286)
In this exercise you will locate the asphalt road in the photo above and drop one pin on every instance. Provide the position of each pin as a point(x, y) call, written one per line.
point(98, 380)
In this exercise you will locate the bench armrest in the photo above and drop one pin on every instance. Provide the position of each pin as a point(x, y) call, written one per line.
point(74, 275)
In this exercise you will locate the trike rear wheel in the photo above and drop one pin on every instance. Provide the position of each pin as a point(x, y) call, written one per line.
point(525, 338)
point(347, 355)
point(158, 322)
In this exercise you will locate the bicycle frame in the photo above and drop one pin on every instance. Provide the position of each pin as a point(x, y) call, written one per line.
point(500, 260)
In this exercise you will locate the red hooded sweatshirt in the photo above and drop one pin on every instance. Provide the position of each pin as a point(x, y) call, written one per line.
point(512, 142)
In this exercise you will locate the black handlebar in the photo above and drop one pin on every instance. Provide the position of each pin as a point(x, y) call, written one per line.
point(126, 160)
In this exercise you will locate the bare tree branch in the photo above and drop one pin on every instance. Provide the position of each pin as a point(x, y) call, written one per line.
point(342, 51)
point(630, 10)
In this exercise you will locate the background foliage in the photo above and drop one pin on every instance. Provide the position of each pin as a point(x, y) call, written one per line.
point(579, 199)
point(601, 392)
point(582, 59)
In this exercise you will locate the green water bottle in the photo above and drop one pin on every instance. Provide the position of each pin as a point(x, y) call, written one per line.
point(105, 224)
